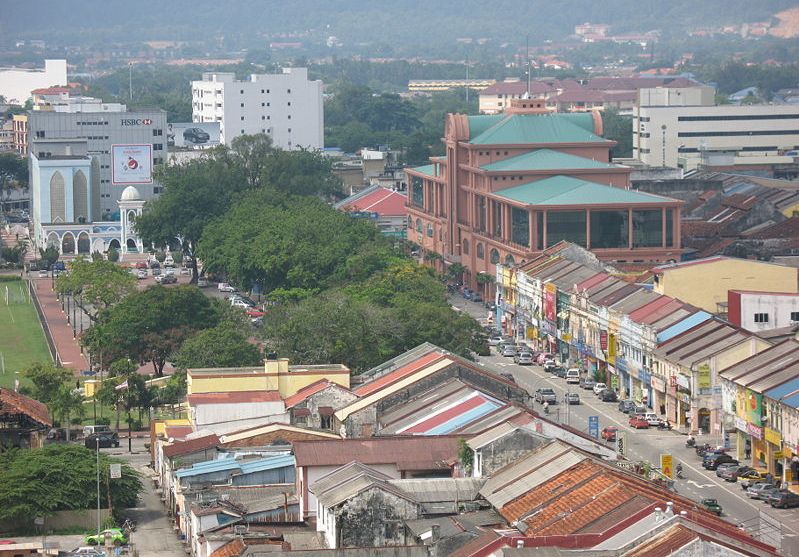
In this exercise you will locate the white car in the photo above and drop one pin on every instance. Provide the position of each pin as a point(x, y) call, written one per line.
point(225, 287)
point(202, 283)
point(169, 271)
point(599, 387)
point(43, 273)
point(88, 551)
point(239, 303)
point(185, 271)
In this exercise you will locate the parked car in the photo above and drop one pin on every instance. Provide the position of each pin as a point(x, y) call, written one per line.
point(494, 340)
point(253, 312)
point(652, 418)
point(609, 433)
point(731, 473)
point(102, 440)
point(225, 287)
point(169, 261)
point(202, 283)
point(523, 358)
point(572, 398)
point(43, 273)
point(638, 422)
point(599, 387)
point(545, 395)
point(550, 365)
point(98, 428)
point(587, 383)
point(559, 371)
point(141, 265)
point(783, 499)
point(543, 357)
point(154, 264)
point(715, 460)
point(626, 406)
point(751, 478)
point(711, 505)
point(196, 135)
point(608, 395)
point(761, 491)
point(169, 270)
point(87, 552)
point(118, 537)
point(508, 351)
point(573, 376)
point(721, 468)
point(156, 271)
point(476, 297)
point(185, 271)
point(169, 279)
point(141, 274)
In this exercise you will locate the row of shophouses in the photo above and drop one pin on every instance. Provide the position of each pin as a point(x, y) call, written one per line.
point(706, 376)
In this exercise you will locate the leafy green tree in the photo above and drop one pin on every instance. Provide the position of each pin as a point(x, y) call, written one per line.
point(96, 285)
point(620, 129)
point(221, 346)
point(13, 172)
point(173, 392)
point(150, 325)
point(109, 395)
point(294, 242)
point(40, 482)
point(49, 255)
point(195, 193)
point(47, 379)
point(68, 404)
point(97, 256)
point(177, 257)
point(300, 172)
point(113, 255)
point(250, 153)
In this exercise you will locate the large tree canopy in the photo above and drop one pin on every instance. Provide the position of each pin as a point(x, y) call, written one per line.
point(150, 325)
point(221, 346)
point(40, 482)
point(282, 242)
point(96, 285)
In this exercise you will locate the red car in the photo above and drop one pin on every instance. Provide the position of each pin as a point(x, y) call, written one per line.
point(609, 433)
point(252, 312)
point(638, 422)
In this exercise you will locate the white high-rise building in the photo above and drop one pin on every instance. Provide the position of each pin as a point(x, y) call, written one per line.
point(685, 128)
point(286, 106)
point(16, 84)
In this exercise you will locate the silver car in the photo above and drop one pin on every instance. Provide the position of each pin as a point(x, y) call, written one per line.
point(509, 351)
point(524, 359)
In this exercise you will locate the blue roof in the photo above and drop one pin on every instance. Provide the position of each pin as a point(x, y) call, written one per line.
point(681, 326)
point(208, 467)
point(786, 388)
point(270, 463)
point(792, 401)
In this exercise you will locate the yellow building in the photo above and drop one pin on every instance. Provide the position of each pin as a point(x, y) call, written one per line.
point(704, 283)
point(274, 375)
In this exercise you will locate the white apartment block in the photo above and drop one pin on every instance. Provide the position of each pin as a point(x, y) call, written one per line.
point(683, 128)
point(286, 106)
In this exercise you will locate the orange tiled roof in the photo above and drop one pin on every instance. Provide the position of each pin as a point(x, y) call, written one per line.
point(305, 392)
point(11, 402)
point(400, 373)
point(666, 543)
point(233, 548)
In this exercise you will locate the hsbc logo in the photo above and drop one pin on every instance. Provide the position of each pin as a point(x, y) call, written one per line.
point(136, 121)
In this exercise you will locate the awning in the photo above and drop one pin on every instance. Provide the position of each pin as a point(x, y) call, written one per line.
point(300, 412)
point(326, 410)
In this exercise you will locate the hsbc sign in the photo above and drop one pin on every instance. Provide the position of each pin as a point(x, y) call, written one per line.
point(136, 121)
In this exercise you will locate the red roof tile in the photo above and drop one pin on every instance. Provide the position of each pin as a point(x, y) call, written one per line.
point(666, 543)
point(11, 402)
point(234, 397)
point(785, 229)
point(233, 548)
point(191, 446)
point(382, 201)
point(177, 431)
point(397, 374)
point(305, 392)
point(409, 453)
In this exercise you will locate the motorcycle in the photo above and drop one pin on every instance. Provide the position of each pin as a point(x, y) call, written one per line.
point(702, 449)
point(690, 443)
point(664, 426)
point(678, 470)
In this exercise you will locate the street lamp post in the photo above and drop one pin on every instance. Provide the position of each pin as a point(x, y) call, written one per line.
point(97, 452)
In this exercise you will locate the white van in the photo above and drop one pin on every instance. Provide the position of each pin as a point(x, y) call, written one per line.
point(573, 376)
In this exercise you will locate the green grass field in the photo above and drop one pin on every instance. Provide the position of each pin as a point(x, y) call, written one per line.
point(22, 340)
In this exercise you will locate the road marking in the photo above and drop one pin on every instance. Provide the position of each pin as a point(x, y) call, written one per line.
point(700, 486)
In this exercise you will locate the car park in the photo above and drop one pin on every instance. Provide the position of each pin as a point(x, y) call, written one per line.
point(627, 406)
point(609, 433)
point(608, 395)
point(573, 376)
point(102, 440)
point(572, 398)
point(783, 499)
point(587, 383)
point(638, 422)
point(523, 358)
point(761, 491)
point(711, 505)
point(599, 387)
point(545, 395)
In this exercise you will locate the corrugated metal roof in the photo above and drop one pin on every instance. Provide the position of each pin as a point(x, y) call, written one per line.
point(687, 323)
point(546, 159)
point(431, 490)
point(407, 452)
point(431, 400)
point(208, 467)
point(517, 129)
point(271, 463)
point(762, 364)
point(789, 387)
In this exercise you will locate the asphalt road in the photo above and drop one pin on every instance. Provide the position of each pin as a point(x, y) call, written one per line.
point(648, 445)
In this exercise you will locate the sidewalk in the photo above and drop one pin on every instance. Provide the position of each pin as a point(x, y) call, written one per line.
point(67, 346)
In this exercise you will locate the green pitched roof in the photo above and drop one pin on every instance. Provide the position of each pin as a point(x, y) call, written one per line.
point(545, 159)
point(480, 123)
point(429, 169)
point(566, 190)
point(517, 129)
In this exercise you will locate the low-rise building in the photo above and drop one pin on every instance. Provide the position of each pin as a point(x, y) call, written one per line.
point(762, 311)
point(384, 206)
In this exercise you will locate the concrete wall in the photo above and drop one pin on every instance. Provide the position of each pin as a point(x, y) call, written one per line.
point(59, 521)
point(334, 397)
point(502, 452)
point(374, 518)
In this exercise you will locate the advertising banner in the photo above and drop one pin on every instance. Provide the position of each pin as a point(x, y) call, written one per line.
point(593, 426)
point(666, 466)
point(132, 164)
point(192, 134)
point(550, 302)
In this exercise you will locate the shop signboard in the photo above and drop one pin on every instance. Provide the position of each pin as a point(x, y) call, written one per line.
point(754, 407)
point(683, 381)
point(603, 340)
point(740, 424)
point(658, 384)
point(772, 436)
point(614, 382)
point(593, 426)
point(754, 431)
point(703, 377)
point(667, 465)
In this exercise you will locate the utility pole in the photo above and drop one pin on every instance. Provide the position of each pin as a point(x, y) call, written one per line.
point(467, 80)
point(97, 452)
point(527, 57)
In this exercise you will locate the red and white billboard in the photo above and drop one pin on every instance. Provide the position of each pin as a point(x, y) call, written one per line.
point(132, 164)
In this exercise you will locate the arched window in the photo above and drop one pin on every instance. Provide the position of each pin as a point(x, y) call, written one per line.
point(58, 202)
point(430, 230)
point(480, 251)
point(494, 256)
point(80, 197)
point(466, 247)
point(410, 222)
point(84, 243)
point(419, 226)
point(510, 261)
point(68, 244)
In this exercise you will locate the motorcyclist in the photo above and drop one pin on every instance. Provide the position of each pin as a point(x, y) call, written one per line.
point(678, 469)
point(546, 407)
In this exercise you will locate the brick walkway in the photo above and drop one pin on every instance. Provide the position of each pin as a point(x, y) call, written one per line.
point(67, 346)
